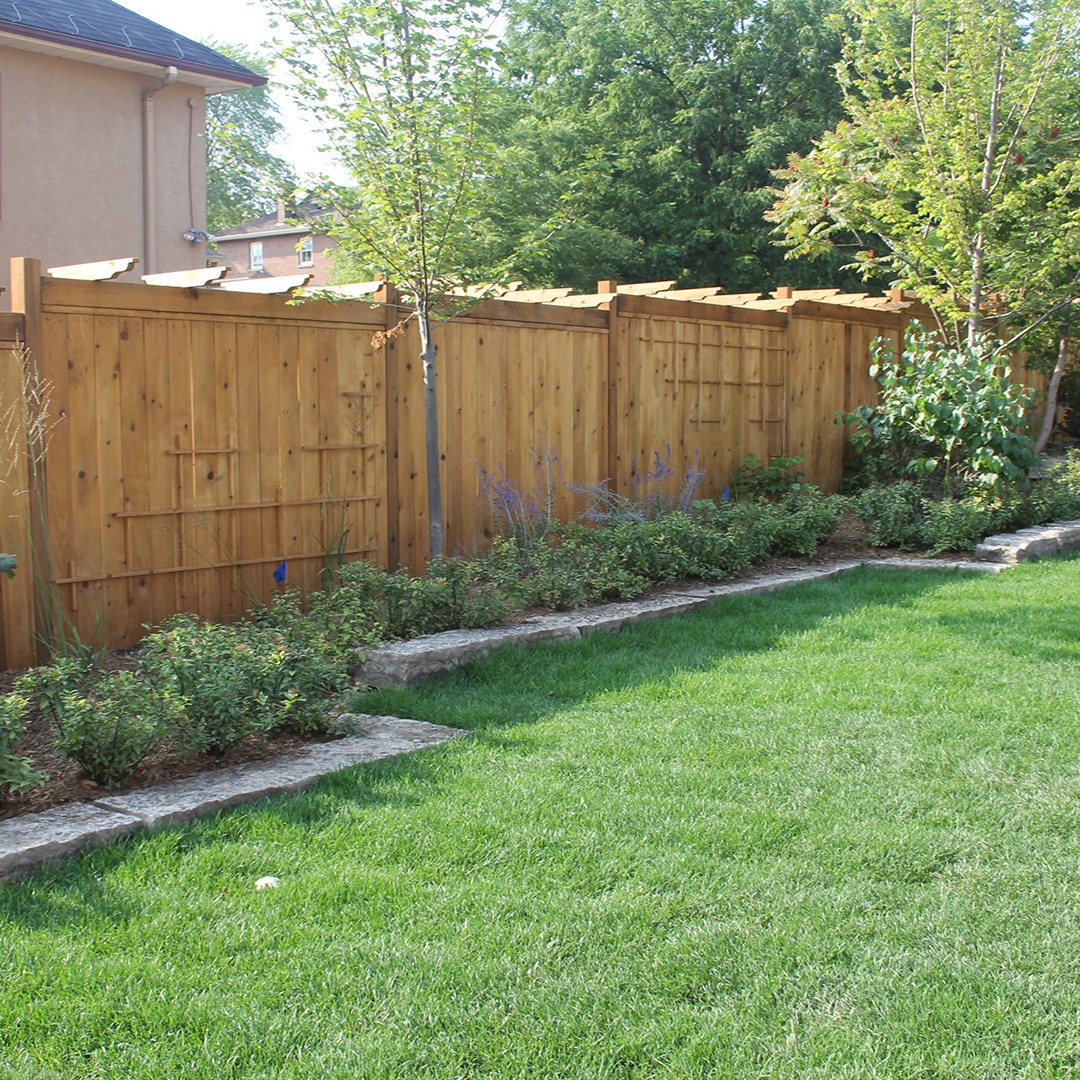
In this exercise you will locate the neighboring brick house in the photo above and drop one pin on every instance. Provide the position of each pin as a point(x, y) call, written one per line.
point(102, 115)
point(278, 245)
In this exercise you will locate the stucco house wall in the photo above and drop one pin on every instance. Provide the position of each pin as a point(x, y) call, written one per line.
point(102, 150)
point(71, 172)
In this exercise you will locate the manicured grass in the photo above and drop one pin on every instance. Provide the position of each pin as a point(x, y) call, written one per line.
point(828, 833)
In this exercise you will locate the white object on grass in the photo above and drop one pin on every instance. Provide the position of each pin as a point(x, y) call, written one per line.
point(267, 883)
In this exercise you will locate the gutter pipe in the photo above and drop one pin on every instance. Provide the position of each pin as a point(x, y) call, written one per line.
point(149, 172)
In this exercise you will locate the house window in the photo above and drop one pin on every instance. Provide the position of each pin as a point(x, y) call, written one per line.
point(255, 261)
point(306, 252)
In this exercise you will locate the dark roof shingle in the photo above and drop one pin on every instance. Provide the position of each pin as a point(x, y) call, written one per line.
point(104, 26)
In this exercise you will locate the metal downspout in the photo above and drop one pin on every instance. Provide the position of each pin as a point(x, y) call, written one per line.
point(149, 172)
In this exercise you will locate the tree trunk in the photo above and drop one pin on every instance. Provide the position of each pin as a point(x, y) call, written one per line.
point(436, 540)
point(1052, 391)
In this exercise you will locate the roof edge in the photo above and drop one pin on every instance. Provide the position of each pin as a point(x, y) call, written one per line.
point(289, 230)
point(242, 77)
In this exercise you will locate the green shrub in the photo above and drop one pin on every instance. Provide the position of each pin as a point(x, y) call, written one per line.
point(46, 685)
point(15, 772)
point(232, 681)
point(774, 479)
point(369, 604)
point(958, 524)
point(350, 613)
point(572, 569)
point(109, 727)
point(891, 513)
point(911, 515)
point(471, 596)
point(946, 414)
point(802, 522)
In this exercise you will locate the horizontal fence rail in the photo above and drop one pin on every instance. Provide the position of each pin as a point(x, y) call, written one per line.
point(200, 439)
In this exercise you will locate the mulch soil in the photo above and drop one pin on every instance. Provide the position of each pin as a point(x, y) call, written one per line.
point(67, 783)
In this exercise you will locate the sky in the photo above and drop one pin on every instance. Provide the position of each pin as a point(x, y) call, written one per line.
point(240, 22)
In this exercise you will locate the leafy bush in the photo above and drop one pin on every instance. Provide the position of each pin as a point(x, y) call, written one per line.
point(47, 685)
point(471, 596)
point(958, 524)
point(911, 515)
point(233, 681)
point(349, 614)
point(891, 513)
point(15, 772)
point(946, 414)
point(774, 479)
point(112, 725)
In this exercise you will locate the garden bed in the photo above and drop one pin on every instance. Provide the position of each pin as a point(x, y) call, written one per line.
point(68, 783)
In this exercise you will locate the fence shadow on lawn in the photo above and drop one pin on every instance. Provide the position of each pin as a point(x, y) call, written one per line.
point(1008, 626)
point(80, 892)
point(643, 654)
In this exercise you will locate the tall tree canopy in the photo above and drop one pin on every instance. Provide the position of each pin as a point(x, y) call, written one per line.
point(244, 178)
point(670, 115)
point(958, 167)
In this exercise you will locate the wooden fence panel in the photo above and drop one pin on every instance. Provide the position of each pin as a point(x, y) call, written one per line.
point(509, 390)
point(17, 626)
point(209, 436)
point(203, 444)
point(710, 389)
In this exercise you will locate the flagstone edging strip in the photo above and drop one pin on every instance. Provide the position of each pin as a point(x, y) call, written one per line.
point(1029, 544)
point(29, 841)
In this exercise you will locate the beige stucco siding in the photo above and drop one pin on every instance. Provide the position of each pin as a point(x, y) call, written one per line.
point(71, 163)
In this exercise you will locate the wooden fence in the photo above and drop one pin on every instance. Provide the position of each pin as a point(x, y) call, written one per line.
point(204, 437)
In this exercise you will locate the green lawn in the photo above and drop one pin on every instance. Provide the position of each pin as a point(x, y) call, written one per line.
point(833, 832)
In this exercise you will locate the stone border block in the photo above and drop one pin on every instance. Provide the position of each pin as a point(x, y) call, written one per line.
point(27, 842)
point(900, 563)
point(612, 617)
point(1038, 542)
point(177, 801)
point(400, 663)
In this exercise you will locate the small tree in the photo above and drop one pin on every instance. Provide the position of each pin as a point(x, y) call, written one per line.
point(402, 89)
point(958, 171)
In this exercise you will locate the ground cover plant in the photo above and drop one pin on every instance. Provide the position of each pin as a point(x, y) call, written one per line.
point(825, 833)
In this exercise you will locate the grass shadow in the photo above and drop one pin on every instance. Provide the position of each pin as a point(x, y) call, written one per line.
point(514, 686)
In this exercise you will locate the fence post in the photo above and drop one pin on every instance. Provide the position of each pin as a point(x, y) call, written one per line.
point(388, 297)
point(615, 362)
point(26, 620)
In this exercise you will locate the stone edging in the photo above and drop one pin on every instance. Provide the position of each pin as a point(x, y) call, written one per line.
point(398, 664)
point(1028, 544)
point(29, 841)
